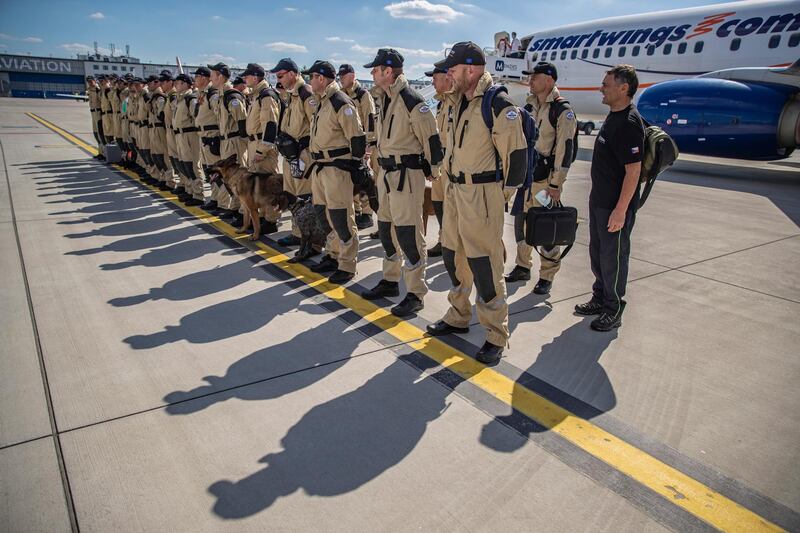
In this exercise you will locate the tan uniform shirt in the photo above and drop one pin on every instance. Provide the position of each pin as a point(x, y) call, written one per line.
point(471, 146)
point(169, 115)
point(300, 106)
point(554, 141)
point(335, 126)
point(114, 103)
point(262, 118)
point(365, 105)
point(232, 114)
point(408, 127)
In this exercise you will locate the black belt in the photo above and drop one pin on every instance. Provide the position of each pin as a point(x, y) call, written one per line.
point(212, 127)
point(412, 161)
point(483, 177)
point(158, 125)
point(329, 154)
point(252, 138)
point(231, 136)
point(186, 130)
point(94, 109)
point(144, 123)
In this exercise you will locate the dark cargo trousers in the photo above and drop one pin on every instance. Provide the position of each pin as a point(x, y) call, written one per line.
point(609, 254)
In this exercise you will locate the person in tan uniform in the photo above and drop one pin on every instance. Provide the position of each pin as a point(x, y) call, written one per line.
point(232, 117)
point(554, 148)
point(240, 85)
point(105, 110)
point(93, 94)
point(263, 114)
point(294, 134)
point(479, 162)
point(158, 133)
point(337, 146)
point(115, 104)
point(207, 123)
point(144, 130)
point(444, 117)
point(134, 96)
point(178, 182)
point(365, 105)
point(409, 152)
point(186, 139)
point(124, 122)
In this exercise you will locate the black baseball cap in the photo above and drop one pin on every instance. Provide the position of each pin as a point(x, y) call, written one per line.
point(89, 78)
point(463, 53)
point(150, 78)
point(165, 75)
point(386, 57)
point(285, 64)
point(222, 68)
point(543, 67)
point(254, 69)
point(203, 71)
point(436, 70)
point(128, 77)
point(323, 68)
point(184, 78)
point(238, 80)
point(345, 69)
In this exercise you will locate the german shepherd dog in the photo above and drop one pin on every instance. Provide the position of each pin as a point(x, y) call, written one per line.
point(258, 193)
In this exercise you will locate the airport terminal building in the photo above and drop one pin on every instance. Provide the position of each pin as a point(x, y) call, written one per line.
point(46, 77)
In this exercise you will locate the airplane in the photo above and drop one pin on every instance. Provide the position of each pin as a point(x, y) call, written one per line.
point(723, 80)
point(78, 97)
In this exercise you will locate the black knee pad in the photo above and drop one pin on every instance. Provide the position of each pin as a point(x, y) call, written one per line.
point(188, 167)
point(339, 221)
point(407, 237)
point(160, 163)
point(519, 227)
point(449, 260)
point(97, 138)
point(482, 272)
point(385, 234)
point(438, 208)
point(323, 220)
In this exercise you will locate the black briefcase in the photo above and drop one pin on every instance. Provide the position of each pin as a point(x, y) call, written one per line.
point(554, 226)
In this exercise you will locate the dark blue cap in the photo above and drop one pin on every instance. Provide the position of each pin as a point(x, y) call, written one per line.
point(543, 67)
point(386, 57)
point(323, 68)
point(203, 71)
point(285, 64)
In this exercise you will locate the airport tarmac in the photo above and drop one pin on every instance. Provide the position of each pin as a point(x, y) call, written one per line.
point(159, 372)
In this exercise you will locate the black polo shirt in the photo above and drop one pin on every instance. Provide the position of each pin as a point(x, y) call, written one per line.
point(619, 142)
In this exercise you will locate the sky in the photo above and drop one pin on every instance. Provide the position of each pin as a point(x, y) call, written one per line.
point(237, 33)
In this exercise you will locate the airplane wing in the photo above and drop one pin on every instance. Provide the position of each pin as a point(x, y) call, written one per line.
point(81, 97)
point(781, 75)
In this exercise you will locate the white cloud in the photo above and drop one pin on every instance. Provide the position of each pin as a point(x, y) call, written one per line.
point(423, 10)
point(416, 52)
point(290, 9)
point(7, 37)
point(216, 17)
point(339, 40)
point(216, 58)
point(280, 46)
point(80, 48)
point(97, 16)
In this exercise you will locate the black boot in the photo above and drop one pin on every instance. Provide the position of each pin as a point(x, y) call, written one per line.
point(443, 328)
point(363, 221)
point(341, 277)
point(590, 308)
point(408, 307)
point(542, 286)
point(489, 353)
point(326, 264)
point(518, 274)
point(268, 227)
point(384, 289)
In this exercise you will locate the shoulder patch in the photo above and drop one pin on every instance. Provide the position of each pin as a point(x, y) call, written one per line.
point(360, 92)
point(312, 102)
point(411, 98)
point(339, 99)
point(512, 114)
point(235, 102)
point(424, 109)
point(570, 115)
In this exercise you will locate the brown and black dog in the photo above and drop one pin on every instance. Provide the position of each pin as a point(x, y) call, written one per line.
point(258, 193)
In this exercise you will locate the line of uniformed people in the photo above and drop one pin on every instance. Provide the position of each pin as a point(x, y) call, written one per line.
point(327, 133)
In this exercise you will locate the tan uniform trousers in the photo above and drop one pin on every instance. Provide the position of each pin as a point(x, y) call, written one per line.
point(548, 269)
point(172, 152)
point(333, 188)
point(268, 165)
point(400, 221)
point(158, 146)
point(108, 126)
point(297, 186)
point(472, 250)
point(228, 147)
point(189, 152)
point(218, 193)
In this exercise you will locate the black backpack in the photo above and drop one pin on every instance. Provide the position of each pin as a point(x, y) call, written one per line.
point(660, 152)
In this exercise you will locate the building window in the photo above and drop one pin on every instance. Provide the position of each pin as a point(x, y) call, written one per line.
point(574, 54)
point(596, 53)
point(794, 40)
point(698, 47)
point(563, 55)
point(114, 67)
point(105, 67)
point(735, 44)
point(635, 51)
point(585, 53)
point(96, 67)
point(774, 41)
point(622, 51)
point(682, 48)
point(667, 49)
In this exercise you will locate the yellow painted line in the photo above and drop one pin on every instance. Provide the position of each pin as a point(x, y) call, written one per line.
point(670, 483)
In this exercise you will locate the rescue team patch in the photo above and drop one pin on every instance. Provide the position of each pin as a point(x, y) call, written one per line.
point(511, 114)
point(235, 103)
point(348, 111)
point(312, 102)
point(570, 115)
point(424, 109)
point(635, 150)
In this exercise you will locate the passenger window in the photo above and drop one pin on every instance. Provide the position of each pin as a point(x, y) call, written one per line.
point(651, 50)
point(535, 56)
point(735, 44)
point(682, 48)
point(622, 51)
point(608, 52)
point(563, 55)
point(794, 40)
point(585, 52)
point(596, 53)
point(774, 41)
point(667, 49)
point(574, 54)
point(698, 47)
point(635, 51)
